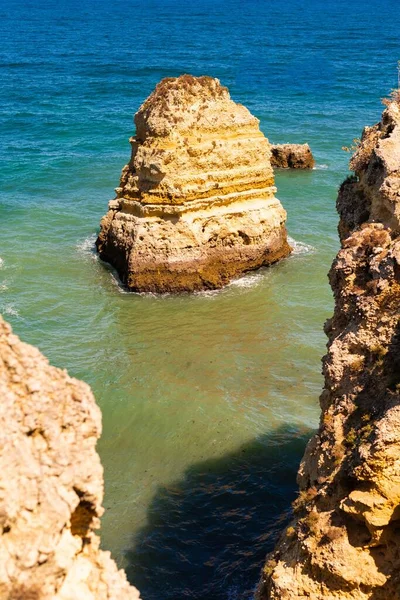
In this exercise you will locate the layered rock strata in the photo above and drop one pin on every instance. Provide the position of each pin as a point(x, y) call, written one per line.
point(292, 156)
point(344, 539)
point(51, 484)
point(195, 206)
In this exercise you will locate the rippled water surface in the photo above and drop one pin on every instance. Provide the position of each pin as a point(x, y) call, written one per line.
point(207, 400)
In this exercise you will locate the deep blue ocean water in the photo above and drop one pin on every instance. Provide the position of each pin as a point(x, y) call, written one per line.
point(207, 400)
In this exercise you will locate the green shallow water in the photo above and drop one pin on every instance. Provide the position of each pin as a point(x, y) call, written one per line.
point(207, 400)
point(219, 384)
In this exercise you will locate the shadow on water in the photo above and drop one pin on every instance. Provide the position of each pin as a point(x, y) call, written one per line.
point(207, 534)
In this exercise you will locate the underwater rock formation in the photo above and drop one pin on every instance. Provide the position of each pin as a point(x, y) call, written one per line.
point(196, 205)
point(51, 484)
point(292, 156)
point(344, 539)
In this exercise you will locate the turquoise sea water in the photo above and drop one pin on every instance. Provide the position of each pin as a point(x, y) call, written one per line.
point(207, 400)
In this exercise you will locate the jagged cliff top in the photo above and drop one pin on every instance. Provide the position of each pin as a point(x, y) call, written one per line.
point(381, 139)
point(373, 194)
point(181, 104)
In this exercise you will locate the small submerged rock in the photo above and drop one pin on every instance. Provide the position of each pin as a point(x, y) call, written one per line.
point(292, 156)
point(196, 206)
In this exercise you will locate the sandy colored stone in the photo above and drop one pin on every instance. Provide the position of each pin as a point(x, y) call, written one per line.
point(196, 204)
point(51, 484)
point(292, 156)
point(344, 538)
point(373, 193)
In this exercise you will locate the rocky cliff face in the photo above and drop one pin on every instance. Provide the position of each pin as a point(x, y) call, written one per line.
point(51, 484)
point(196, 204)
point(344, 540)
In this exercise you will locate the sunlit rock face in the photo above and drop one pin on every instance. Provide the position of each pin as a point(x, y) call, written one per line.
point(344, 539)
point(292, 156)
point(51, 484)
point(196, 205)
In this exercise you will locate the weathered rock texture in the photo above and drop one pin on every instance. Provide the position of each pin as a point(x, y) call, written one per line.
point(344, 540)
point(196, 204)
point(51, 484)
point(292, 156)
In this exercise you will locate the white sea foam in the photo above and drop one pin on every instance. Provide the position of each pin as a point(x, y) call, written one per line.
point(116, 280)
point(208, 293)
point(300, 248)
point(10, 310)
point(87, 247)
point(322, 167)
point(249, 280)
point(1, 263)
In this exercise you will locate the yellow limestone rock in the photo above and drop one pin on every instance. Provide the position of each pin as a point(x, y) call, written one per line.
point(344, 539)
point(51, 484)
point(196, 205)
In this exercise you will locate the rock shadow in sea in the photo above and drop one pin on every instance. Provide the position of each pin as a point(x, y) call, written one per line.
point(207, 534)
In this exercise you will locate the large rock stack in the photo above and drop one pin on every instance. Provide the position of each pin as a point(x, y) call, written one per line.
point(196, 204)
point(51, 484)
point(344, 539)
